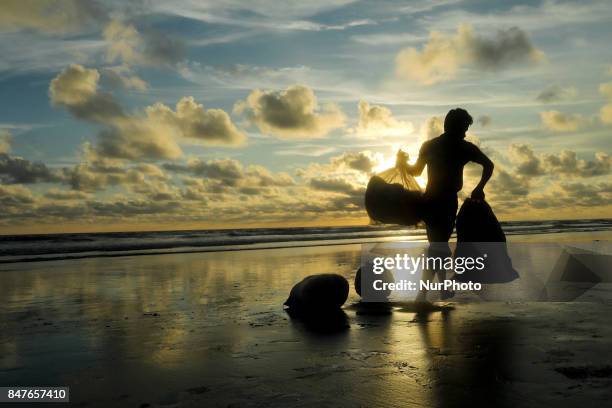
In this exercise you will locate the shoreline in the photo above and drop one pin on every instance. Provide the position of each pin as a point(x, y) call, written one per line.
point(315, 242)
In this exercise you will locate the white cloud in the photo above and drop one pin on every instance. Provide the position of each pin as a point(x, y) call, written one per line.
point(15, 196)
point(212, 126)
point(5, 141)
point(605, 113)
point(561, 122)
point(433, 127)
point(443, 55)
point(75, 85)
point(377, 121)
point(293, 113)
point(155, 134)
point(127, 45)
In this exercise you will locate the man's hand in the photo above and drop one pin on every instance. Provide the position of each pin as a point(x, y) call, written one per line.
point(478, 194)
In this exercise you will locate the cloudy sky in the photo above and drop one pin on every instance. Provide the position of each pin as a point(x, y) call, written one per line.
point(192, 114)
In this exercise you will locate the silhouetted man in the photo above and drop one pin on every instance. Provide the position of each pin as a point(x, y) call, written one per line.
point(445, 157)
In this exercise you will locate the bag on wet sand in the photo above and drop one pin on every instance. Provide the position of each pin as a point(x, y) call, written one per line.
point(394, 196)
point(367, 283)
point(319, 292)
point(479, 233)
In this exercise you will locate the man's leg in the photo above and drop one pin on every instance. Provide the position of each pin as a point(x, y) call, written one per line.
point(439, 227)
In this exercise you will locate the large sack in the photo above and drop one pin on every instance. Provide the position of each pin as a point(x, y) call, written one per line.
point(326, 291)
point(392, 203)
point(479, 233)
point(393, 196)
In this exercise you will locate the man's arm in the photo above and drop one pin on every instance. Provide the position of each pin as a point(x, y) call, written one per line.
point(487, 171)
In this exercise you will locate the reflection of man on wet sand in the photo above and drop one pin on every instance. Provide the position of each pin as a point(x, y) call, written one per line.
point(445, 157)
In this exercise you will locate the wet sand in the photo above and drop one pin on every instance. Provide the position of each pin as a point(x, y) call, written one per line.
point(208, 329)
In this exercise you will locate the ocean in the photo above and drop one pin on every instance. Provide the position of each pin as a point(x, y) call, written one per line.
point(28, 248)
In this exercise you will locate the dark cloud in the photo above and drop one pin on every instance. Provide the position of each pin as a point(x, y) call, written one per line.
point(15, 196)
point(224, 175)
point(572, 195)
point(336, 185)
point(101, 108)
point(556, 93)
point(131, 207)
point(509, 47)
point(227, 170)
point(509, 186)
point(162, 49)
point(484, 120)
point(18, 170)
point(527, 163)
point(99, 175)
point(134, 140)
point(567, 163)
point(361, 161)
point(263, 177)
point(57, 194)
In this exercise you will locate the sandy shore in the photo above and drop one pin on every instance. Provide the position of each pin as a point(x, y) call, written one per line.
point(208, 329)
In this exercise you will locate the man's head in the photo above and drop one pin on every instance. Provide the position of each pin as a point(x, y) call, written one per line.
point(457, 122)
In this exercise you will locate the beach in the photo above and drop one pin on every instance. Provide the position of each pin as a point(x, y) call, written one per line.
point(209, 329)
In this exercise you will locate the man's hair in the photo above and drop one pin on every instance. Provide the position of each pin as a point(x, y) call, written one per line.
point(457, 120)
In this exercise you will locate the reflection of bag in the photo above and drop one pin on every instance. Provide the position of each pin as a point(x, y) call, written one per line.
point(479, 234)
point(393, 196)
